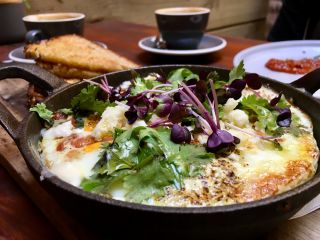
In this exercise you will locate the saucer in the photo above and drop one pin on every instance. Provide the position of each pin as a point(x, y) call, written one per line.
point(208, 44)
point(17, 55)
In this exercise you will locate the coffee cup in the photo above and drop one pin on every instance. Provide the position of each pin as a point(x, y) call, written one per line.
point(47, 25)
point(182, 27)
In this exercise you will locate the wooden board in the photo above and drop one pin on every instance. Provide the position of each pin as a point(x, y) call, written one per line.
point(11, 159)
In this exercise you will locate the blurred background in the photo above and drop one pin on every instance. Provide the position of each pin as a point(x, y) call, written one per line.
point(241, 18)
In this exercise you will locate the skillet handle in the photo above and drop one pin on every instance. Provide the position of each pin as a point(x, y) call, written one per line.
point(33, 74)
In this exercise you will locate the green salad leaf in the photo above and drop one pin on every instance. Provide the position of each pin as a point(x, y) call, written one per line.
point(259, 108)
point(43, 112)
point(149, 181)
point(67, 111)
point(87, 100)
point(152, 160)
point(141, 84)
point(181, 74)
point(190, 159)
point(237, 72)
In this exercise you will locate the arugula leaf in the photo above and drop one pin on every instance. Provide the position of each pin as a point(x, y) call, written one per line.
point(259, 108)
point(181, 74)
point(87, 100)
point(43, 112)
point(237, 72)
point(140, 85)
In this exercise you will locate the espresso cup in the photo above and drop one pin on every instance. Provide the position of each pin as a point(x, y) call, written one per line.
point(47, 25)
point(182, 27)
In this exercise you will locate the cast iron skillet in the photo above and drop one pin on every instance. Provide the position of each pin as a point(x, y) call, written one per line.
point(119, 219)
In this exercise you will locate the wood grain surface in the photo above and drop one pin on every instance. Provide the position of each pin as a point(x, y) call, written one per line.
point(224, 13)
point(27, 216)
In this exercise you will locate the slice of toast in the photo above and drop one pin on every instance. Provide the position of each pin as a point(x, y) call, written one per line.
point(77, 52)
point(66, 72)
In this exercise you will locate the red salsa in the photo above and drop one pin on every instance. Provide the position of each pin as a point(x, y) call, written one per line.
point(302, 66)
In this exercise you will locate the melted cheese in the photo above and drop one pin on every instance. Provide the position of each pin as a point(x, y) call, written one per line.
point(71, 164)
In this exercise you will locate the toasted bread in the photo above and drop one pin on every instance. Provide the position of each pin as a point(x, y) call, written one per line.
point(66, 72)
point(76, 52)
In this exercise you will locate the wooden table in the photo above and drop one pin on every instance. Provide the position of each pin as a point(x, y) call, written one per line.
point(19, 216)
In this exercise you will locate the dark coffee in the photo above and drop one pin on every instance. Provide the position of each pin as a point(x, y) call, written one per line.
point(58, 16)
point(182, 28)
point(184, 10)
point(42, 26)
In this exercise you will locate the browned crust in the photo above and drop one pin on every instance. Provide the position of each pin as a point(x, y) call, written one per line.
point(66, 72)
point(77, 52)
point(296, 172)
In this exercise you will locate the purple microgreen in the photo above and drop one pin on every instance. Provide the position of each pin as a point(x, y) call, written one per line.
point(273, 102)
point(163, 109)
point(176, 90)
point(162, 85)
point(238, 84)
point(203, 111)
point(253, 81)
point(153, 91)
point(212, 109)
point(180, 134)
point(201, 90)
point(203, 123)
point(284, 117)
point(163, 106)
point(219, 140)
point(158, 122)
point(91, 82)
point(131, 115)
point(215, 102)
point(141, 111)
point(177, 113)
point(225, 136)
point(222, 95)
point(250, 133)
point(105, 84)
point(234, 93)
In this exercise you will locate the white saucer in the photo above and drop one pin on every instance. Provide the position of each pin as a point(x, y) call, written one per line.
point(255, 57)
point(17, 55)
point(208, 44)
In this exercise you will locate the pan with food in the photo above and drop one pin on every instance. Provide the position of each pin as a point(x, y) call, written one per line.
point(184, 150)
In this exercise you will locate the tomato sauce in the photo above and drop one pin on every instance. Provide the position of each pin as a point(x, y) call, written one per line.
point(302, 66)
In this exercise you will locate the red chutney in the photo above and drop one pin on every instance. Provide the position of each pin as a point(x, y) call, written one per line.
point(302, 66)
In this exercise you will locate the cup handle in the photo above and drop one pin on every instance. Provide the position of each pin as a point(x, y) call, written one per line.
point(33, 36)
point(33, 74)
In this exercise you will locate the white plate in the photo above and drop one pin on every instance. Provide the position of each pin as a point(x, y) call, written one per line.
point(17, 55)
point(208, 44)
point(256, 57)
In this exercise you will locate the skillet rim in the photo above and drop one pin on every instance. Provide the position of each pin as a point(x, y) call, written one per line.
point(29, 156)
